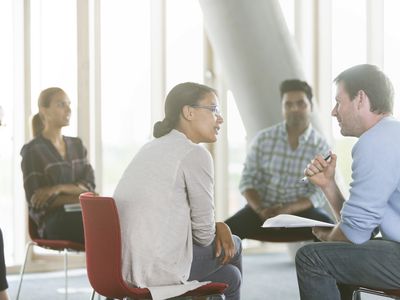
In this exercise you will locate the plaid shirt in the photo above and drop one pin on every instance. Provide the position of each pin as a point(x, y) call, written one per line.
point(42, 166)
point(274, 170)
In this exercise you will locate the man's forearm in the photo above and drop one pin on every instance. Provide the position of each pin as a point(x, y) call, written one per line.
point(299, 205)
point(334, 234)
point(71, 189)
point(335, 198)
point(253, 199)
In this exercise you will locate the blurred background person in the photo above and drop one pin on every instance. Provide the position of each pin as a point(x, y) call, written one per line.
point(55, 170)
point(274, 166)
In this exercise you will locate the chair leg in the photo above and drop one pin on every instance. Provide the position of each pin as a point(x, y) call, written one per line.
point(93, 293)
point(21, 274)
point(66, 273)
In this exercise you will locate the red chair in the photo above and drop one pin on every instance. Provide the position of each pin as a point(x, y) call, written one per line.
point(104, 254)
point(58, 245)
point(392, 294)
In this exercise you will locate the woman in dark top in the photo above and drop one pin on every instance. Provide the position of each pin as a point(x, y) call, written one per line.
point(3, 279)
point(55, 169)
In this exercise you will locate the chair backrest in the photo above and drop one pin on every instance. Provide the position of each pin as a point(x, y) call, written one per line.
point(103, 245)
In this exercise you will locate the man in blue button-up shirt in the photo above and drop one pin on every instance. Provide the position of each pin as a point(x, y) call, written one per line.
point(364, 105)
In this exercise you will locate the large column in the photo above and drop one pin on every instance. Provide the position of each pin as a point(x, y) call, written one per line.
point(257, 52)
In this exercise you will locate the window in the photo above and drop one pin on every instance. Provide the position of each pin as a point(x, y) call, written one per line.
point(54, 52)
point(125, 72)
point(392, 47)
point(7, 154)
point(184, 44)
point(349, 44)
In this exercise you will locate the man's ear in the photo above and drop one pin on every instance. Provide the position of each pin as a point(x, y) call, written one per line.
point(187, 112)
point(362, 99)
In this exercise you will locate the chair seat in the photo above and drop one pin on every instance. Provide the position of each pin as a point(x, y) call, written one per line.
point(59, 244)
point(283, 235)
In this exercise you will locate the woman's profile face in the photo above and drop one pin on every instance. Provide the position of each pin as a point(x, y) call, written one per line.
point(59, 111)
point(207, 120)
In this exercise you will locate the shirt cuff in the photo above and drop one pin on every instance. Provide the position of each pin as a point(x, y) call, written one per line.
point(354, 235)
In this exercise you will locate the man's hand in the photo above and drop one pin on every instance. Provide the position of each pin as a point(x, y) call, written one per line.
point(321, 233)
point(321, 172)
point(269, 212)
point(224, 241)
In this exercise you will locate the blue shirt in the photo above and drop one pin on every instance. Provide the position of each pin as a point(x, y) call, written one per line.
point(375, 190)
point(274, 170)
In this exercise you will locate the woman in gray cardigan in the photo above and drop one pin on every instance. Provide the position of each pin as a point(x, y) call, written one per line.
point(165, 200)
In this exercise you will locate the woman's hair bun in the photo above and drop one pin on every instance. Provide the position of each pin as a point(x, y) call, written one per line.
point(161, 128)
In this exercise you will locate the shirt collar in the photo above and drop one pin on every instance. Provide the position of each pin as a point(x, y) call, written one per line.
point(302, 138)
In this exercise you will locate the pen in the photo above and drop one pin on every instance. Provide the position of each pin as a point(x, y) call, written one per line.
point(305, 178)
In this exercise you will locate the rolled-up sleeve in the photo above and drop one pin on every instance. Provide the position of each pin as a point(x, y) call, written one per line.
point(374, 180)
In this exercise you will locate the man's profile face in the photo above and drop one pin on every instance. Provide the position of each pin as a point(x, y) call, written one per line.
point(296, 108)
point(345, 111)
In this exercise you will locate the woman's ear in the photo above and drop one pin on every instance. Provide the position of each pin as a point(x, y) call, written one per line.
point(187, 112)
point(42, 113)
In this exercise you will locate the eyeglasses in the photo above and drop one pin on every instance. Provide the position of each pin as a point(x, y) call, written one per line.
point(213, 108)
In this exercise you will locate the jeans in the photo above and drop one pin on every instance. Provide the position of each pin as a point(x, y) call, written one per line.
point(246, 223)
point(206, 267)
point(328, 270)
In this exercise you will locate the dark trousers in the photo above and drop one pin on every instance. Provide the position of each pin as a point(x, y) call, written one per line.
point(62, 225)
point(247, 224)
point(3, 279)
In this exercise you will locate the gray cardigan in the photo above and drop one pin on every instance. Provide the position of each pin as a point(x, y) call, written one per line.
point(165, 203)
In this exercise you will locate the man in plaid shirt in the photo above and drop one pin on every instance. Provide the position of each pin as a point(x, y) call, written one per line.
point(275, 163)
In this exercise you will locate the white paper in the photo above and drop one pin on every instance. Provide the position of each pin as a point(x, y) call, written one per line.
point(72, 207)
point(294, 221)
point(168, 291)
